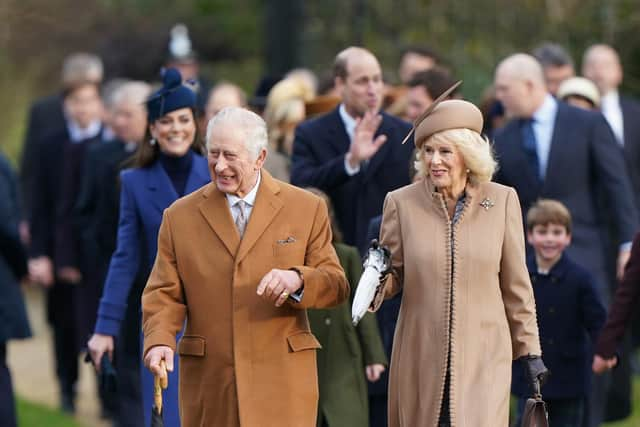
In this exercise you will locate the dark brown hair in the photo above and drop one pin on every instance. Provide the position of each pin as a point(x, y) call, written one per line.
point(547, 211)
point(146, 154)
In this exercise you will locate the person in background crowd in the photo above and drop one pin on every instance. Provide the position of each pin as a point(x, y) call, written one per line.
point(557, 65)
point(415, 59)
point(284, 111)
point(350, 355)
point(457, 253)
point(601, 64)
point(97, 217)
point(492, 112)
point(425, 87)
point(569, 312)
point(13, 268)
point(182, 57)
point(54, 251)
point(353, 153)
point(167, 166)
point(534, 148)
point(625, 302)
point(223, 95)
point(239, 262)
point(47, 117)
point(579, 92)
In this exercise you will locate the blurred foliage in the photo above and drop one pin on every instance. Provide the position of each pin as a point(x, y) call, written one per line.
point(231, 37)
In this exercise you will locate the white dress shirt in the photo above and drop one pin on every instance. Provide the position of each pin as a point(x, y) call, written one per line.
point(612, 111)
point(249, 200)
point(350, 127)
point(544, 120)
point(77, 134)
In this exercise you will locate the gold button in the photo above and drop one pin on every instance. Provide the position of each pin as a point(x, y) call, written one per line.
point(327, 321)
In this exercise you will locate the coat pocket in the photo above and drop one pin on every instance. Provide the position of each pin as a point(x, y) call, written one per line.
point(302, 341)
point(192, 345)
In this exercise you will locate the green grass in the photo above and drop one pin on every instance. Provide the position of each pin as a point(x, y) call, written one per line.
point(35, 415)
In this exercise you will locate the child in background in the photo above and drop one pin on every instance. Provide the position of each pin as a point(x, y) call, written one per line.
point(570, 315)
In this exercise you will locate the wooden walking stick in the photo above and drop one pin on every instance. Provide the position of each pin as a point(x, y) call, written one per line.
point(160, 383)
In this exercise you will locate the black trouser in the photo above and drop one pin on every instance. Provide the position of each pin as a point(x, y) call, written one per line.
point(61, 302)
point(378, 411)
point(7, 402)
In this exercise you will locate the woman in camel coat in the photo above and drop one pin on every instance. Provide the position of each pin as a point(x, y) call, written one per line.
point(457, 253)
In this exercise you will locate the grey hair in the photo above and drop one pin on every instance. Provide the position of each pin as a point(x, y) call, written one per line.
point(135, 92)
point(253, 126)
point(81, 67)
point(552, 55)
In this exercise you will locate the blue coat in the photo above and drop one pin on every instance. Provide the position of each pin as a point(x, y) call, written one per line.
point(145, 194)
point(570, 315)
point(586, 171)
point(318, 156)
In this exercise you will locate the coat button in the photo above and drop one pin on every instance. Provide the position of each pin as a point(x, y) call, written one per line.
point(327, 321)
point(550, 342)
point(552, 310)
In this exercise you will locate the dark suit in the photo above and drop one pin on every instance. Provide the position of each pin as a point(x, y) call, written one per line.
point(46, 117)
point(58, 170)
point(587, 173)
point(13, 266)
point(630, 114)
point(583, 159)
point(318, 157)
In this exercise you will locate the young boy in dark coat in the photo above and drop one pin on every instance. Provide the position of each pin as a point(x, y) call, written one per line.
point(570, 315)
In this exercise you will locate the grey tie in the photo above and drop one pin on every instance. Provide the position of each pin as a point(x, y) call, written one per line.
point(241, 219)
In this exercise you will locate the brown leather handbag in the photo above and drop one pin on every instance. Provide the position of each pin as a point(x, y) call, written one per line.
point(535, 410)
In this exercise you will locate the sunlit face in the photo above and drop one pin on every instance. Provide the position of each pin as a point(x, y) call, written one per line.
point(417, 101)
point(554, 76)
point(549, 241)
point(233, 169)
point(174, 132)
point(603, 68)
point(444, 164)
point(84, 105)
point(362, 89)
point(514, 93)
point(129, 121)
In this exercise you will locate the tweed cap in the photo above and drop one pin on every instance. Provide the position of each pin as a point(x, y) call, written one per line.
point(444, 114)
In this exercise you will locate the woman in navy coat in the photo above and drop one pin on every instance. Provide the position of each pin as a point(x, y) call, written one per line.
point(167, 167)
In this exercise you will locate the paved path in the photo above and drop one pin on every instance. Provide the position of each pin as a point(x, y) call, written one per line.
point(31, 363)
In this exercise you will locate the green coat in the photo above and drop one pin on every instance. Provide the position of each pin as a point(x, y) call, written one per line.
point(346, 350)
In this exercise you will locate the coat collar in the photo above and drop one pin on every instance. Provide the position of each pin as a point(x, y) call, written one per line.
point(160, 184)
point(473, 199)
point(557, 272)
point(217, 213)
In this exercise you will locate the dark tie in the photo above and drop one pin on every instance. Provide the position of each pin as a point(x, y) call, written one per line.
point(530, 146)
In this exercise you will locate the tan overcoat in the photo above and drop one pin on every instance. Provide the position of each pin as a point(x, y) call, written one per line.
point(492, 312)
point(243, 361)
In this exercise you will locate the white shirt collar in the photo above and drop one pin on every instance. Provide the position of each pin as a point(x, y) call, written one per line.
point(250, 198)
point(547, 111)
point(610, 100)
point(349, 122)
point(77, 134)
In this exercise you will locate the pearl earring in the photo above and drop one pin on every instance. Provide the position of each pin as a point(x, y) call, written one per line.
point(152, 141)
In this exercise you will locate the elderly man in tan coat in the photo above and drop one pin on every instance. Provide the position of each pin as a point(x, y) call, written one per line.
point(240, 260)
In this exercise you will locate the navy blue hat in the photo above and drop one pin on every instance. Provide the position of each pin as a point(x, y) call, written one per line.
point(173, 95)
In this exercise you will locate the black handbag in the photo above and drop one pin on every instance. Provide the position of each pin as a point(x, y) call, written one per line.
point(535, 410)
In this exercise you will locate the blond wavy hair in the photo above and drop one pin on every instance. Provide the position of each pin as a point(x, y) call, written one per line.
point(476, 151)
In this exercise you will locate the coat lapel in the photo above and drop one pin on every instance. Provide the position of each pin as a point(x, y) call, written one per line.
point(559, 142)
point(215, 210)
point(338, 137)
point(267, 206)
point(158, 183)
point(379, 157)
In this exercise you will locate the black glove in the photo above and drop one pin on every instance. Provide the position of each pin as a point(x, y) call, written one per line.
point(107, 380)
point(535, 372)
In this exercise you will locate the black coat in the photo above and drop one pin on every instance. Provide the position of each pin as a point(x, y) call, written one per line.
point(570, 314)
point(46, 118)
point(318, 157)
point(630, 114)
point(584, 163)
point(13, 260)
